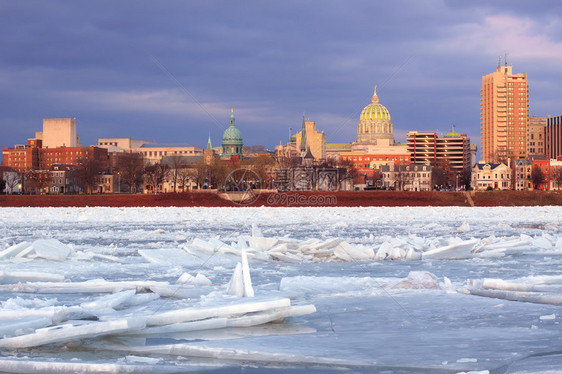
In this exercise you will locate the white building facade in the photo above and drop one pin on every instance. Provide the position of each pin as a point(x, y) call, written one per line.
point(491, 176)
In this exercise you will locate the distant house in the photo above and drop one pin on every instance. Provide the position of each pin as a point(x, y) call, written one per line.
point(556, 174)
point(61, 180)
point(412, 177)
point(491, 176)
point(522, 175)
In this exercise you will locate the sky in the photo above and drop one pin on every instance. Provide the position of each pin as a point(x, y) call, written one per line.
point(171, 71)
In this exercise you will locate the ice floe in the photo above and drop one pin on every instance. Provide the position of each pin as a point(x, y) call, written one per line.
point(97, 316)
point(163, 290)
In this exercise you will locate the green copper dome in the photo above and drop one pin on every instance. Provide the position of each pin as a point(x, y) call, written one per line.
point(231, 141)
point(452, 134)
point(232, 134)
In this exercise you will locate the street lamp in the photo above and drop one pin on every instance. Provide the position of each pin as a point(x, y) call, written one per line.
point(119, 188)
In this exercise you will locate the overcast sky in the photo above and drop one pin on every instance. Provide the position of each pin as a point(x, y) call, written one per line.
point(170, 71)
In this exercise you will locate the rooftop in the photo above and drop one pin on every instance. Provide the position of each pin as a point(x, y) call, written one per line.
point(168, 146)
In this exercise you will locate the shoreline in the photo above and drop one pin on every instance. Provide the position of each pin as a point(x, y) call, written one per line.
point(294, 198)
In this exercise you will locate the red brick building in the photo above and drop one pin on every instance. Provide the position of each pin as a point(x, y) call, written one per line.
point(544, 165)
point(367, 165)
point(28, 157)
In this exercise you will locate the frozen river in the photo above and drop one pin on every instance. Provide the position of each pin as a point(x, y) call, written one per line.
point(395, 290)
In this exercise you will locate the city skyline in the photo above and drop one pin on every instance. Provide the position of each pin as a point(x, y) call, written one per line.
point(171, 72)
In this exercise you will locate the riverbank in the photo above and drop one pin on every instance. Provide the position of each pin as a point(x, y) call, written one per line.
point(300, 198)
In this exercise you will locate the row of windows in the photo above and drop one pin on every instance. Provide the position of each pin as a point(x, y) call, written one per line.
point(61, 154)
point(164, 153)
point(355, 158)
point(411, 175)
point(484, 185)
point(480, 176)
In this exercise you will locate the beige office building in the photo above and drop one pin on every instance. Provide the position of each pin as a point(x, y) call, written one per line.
point(58, 132)
point(315, 140)
point(536, 136)
point(504, 110)
point(153, 153)
point(121, 144)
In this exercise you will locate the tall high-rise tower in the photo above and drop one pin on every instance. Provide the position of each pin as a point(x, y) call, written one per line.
point(504, 108)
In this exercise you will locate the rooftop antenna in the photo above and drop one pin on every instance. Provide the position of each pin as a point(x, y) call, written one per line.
point(505, 59)
point(499, 61)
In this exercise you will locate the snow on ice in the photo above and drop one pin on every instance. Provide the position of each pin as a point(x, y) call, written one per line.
point(176, 289)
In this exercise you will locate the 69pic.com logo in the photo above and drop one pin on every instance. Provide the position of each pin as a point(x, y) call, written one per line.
point(242, 186)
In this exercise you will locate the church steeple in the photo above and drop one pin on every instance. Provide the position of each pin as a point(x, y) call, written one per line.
point(304, 142)
point(209, 145)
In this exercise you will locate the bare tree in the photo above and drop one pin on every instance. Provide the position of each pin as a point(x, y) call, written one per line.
point(403, 176)
point(537, 176)
point(556, 176)
point(351, 172)
point(86, 172)
point(186, 176)
point(465, 178)
point(202, 173)
point(254, 149)
point(219, 171)
point(154, 175)
point(262, 165)
point(37, 181)
point(130, 167)
point(438, 177)
point(12, 179)
point(175, 164)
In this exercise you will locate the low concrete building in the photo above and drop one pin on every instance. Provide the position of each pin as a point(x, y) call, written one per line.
point(153, 153)
point(121, 144)
point(334, 151)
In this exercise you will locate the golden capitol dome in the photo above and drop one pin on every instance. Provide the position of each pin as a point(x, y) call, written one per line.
point(375, 110)
point(374, 124)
